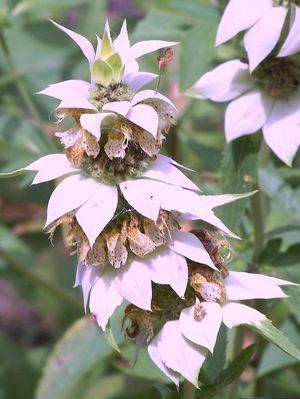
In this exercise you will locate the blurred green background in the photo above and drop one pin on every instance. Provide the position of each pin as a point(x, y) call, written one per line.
point(48, 348)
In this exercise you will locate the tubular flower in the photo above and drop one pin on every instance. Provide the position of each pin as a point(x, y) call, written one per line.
point(181, 330)
point(267, 99)
point(264, 21)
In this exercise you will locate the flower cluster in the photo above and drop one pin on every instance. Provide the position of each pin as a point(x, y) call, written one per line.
point(265, 84)
point(124, 204)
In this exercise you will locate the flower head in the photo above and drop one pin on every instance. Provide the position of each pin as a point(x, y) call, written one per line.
point(264, 21)
point(268, 99)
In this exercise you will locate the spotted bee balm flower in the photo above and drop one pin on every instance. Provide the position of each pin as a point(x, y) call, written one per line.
point(267, 99)
point(264, 21)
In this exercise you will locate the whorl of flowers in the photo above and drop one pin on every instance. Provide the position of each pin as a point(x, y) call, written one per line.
point(124, 204)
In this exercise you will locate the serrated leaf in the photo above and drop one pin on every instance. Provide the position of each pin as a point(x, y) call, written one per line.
point(235, 369)
point(272, 334)
point(273, 358)
point(239, 174)
point(284, 196)
point(74, 357)
point(102, 73)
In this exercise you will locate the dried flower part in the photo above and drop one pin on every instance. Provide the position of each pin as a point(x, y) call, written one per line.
point(128, 233)
point(100, 95)
point(285, 3)
point(116, 145)
point(207, 283)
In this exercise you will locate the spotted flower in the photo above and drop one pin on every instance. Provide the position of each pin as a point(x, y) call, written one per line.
point(263, 20)
point(267, 99)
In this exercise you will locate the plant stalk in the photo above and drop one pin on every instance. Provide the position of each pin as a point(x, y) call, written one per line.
point(188, 390)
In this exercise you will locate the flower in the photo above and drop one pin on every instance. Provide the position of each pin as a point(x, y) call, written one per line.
point(181, 345)
point(268, 99)
point(264, 20)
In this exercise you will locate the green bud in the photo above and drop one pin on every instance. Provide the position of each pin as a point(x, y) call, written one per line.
point(102, 73)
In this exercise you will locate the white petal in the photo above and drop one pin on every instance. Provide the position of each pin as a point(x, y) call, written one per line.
point(153, 95)
point(133, 282)
point(120, 107)
point(214, 201)
point(81, 41)
point(170, 268)
point(136, 80)
point(121, 43)
point(147, 46)
point(162, 170)
point(104, 298)
point(144, 116)
point(86, 276)
point(50, 167)
point(188, 245)
point(72, 93)
point(224, 82)
point(203, 332)
point(178, 353)
point(71, 193)
point(242, 285)
point(97, 211)
point(282, 129)
point(240, 15)
point(235, 314)
point(292, 42)
point(247, 114)
point(92, 122)
point(171, 161)
point(155, 357)
point(262, 37)
point(143, 195)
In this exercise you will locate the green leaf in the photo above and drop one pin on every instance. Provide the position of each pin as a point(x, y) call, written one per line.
point(272, 334)
point(280, 193)
point(14, 173)
point(197, 51)
point(293, 301)
point(235, 369)
point(77, 354)
point(239, 174)
point(273, 358)
point(102, 73)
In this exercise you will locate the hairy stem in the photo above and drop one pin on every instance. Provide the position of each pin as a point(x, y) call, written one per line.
point(35, 277)
point(188, 390)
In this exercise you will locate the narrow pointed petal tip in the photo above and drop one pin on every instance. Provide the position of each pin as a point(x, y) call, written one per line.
point(292, 43)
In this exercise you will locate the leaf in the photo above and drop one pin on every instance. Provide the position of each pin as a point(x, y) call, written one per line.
point(235, 369)
point(239, 174)
point(273, 358)
point(272, 334)
point(197, 52)
point(280, 193)
point(109, 336)
point(76, 355)
point(293, 301)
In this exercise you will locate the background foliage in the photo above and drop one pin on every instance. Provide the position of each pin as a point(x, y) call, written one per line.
point(47, 344)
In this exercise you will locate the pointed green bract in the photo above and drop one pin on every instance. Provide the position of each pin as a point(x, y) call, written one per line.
point(102, 73)
point(110, 339)
point(106, 49)
point(116, 64)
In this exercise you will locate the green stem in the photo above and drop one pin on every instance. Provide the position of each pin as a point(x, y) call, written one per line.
point(22, 89)
point(35, 277)
point(258, 219)
point(188, 390)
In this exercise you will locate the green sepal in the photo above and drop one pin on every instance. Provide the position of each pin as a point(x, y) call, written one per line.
point(115, 61)
point(106, 49)
point(102, 73)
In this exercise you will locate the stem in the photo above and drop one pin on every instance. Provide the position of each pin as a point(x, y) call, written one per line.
point(257, 208)
point(35, 277)
point(188, 390)
point(22, 89)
